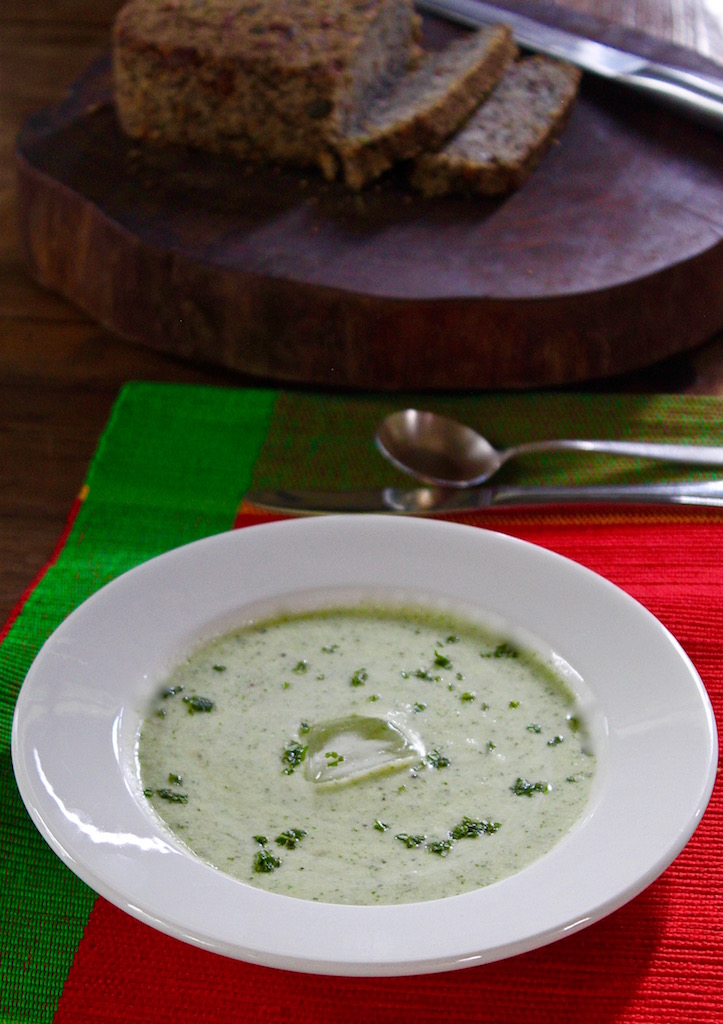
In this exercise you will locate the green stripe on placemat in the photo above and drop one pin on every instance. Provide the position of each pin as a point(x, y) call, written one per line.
point(170, 468)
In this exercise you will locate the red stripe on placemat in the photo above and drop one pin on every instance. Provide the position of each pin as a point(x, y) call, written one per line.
point(124, 971)
point(508, 520)
point(623, 968)
point(247, 515)
point(656, 959)
point(60, 544)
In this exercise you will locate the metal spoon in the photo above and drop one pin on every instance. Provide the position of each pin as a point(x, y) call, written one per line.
point(441, 451)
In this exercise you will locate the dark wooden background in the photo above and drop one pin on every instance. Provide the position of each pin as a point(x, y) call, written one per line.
point(60, 373)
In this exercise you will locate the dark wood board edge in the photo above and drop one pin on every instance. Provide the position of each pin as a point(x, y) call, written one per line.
point(288, 331)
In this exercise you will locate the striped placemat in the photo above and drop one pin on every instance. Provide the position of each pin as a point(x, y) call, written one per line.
point(172, 466)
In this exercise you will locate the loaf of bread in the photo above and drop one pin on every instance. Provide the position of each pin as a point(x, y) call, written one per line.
point(274, 80)
point(338, 84)
point(425, 106)
point(504, 140)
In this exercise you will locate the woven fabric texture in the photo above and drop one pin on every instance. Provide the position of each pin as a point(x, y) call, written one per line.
point(173, 465)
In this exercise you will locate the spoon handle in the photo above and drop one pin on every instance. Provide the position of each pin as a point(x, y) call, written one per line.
point(690, 454)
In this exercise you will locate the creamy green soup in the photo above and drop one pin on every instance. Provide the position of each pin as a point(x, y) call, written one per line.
point(366, 755)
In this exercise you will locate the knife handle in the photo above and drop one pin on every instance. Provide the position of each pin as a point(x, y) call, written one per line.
point(437, 500)
point(431, 500)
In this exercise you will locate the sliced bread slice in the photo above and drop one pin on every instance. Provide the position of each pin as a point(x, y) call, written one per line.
point(504, 140)
point(425, 106)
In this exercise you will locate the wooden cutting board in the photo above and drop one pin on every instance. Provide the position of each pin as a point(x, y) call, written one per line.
point(609, 259)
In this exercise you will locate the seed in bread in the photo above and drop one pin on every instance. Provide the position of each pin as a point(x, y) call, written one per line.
point(424, 107)
point(504, 140)
point(272, 80)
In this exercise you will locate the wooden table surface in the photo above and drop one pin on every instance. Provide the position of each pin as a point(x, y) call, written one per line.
point(60, 373)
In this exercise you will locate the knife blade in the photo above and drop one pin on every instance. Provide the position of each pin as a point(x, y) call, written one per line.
point(438, 500)
point(695, 96)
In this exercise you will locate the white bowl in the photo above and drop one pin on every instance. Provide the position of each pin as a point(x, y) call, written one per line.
point(79, 710)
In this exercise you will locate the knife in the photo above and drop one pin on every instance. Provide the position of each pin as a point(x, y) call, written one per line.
point(693, 95)
point(439, 500)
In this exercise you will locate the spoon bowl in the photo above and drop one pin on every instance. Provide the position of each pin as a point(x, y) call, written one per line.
point(440, 451)
point(436, 449)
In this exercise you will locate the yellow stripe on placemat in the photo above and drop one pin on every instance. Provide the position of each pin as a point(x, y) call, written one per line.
point(326, 442)
point(595, 515)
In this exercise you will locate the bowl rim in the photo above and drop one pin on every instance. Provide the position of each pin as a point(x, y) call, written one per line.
point(648, 691)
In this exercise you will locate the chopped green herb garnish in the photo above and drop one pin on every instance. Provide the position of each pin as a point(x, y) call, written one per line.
point(148, 792)
point(555, 741)
point(219, 668)
point(503, 650)
point(198, 704)
point(171, 691)
point(437, 760)
point(330, 649)
point(261, 840)
point(359, 677)
point(380, 826)
point(175, 779)
point(491, 745)
point(303, 728)
point(533, 727)
point(172, 796)
point(514, 704)
point(452, 639)
point(290, 837)
point(442, 660)
point(410, 841)
point(292, 756)
point(468, 696)
point(300, 667)
point(264, 861)
point(333, 759)
point(522, 787)
point(422, 673)
point(419, 706)
point(440, 847)
point(471, 828)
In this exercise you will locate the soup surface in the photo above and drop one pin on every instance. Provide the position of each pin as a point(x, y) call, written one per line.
point(366, 755)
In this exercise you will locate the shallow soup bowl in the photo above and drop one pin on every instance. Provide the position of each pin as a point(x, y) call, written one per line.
point(76, 726)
